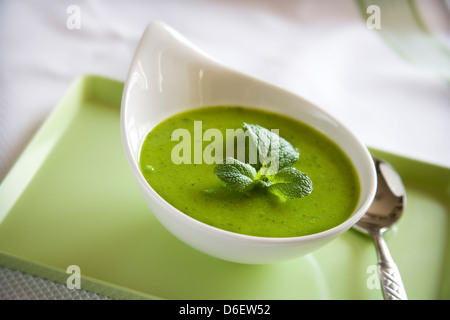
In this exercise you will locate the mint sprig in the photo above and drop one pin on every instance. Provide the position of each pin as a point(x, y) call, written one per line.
point(286, 183)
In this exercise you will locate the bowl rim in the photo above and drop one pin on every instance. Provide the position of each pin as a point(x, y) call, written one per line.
point(334, 231)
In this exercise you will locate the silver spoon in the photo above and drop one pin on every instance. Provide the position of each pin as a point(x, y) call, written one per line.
point(384, 212)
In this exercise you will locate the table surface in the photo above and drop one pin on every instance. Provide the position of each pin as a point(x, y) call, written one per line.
point(389, 85)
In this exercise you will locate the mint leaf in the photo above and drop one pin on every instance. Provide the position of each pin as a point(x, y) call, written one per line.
point(237, 175)
point(270, 147)
point(273, 168)
point(290, 183)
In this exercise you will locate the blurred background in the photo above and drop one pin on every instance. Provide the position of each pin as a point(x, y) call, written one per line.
point(380, 67)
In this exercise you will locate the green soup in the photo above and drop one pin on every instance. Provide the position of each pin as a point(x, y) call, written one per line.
point(195, 190)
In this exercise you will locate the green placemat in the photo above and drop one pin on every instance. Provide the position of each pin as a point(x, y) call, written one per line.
point(71, 200)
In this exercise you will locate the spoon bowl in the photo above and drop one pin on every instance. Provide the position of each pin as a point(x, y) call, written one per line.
point(385, 211)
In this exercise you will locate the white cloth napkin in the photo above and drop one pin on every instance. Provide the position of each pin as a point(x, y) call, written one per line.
point(322, 50)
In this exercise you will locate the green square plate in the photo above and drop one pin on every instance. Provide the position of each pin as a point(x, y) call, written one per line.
point(71, 200)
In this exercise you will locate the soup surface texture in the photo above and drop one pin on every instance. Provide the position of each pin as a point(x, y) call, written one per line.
point(196, 191)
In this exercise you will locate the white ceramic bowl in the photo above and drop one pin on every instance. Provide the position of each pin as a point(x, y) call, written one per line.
point(168, 75)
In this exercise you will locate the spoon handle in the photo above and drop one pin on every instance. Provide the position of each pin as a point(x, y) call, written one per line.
point(391, 282)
